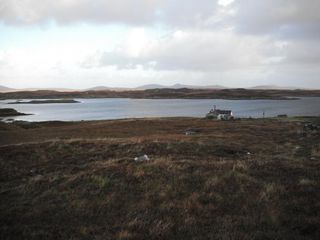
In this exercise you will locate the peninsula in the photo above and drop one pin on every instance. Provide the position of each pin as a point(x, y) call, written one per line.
point(45, 101)
point(10, 112)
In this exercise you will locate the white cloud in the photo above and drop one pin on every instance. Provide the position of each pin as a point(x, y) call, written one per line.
point(188, 51)
point(225, 3)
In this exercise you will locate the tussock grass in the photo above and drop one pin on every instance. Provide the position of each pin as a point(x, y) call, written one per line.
point(195, 187)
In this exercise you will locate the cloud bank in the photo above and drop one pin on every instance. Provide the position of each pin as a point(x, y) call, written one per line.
point(138, 12)
point(233, 43)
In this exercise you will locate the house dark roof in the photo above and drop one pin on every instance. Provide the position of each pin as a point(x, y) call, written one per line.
point(218, 111)
point(223, 111)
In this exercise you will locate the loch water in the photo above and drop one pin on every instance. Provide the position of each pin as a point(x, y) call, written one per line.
point(120, 108)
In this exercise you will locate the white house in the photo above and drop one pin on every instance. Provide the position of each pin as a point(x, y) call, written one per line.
point(220, 114)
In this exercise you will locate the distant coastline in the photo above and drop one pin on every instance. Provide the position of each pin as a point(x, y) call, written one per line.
point(46, 101)
point(166, 93)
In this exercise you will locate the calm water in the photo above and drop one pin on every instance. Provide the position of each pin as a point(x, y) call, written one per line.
point(106, 108)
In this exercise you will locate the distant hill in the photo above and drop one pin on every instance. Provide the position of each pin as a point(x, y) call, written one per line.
point(5, 89)
point(98, 88)
point(49, 89)
point(275, 87)
point(151, 86)
point(178, 86)
point(104, 88)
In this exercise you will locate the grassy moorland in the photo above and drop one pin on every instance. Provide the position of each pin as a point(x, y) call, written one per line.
point(167, 93)
point(248, 179)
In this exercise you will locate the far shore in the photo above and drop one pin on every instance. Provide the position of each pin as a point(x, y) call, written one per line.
point(183, 93)
point(45, 101)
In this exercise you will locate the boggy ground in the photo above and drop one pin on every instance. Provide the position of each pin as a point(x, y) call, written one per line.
point(248, 179)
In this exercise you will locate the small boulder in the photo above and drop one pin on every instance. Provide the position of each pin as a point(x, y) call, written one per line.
point(192, 131)
point(142, 158)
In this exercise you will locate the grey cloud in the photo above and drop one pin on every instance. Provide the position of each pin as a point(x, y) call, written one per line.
point(142, 12)
point(66, 11)
point(302, 53)
point(281, 18)
point(187, 13)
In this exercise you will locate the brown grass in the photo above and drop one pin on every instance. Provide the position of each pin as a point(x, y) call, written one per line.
point(79, 180)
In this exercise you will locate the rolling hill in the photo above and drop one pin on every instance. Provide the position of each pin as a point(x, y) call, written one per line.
point(6, 89)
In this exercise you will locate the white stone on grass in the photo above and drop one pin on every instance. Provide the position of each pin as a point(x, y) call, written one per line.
point(142, 158)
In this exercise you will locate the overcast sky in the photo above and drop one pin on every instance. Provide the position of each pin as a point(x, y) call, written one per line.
point(127, 43)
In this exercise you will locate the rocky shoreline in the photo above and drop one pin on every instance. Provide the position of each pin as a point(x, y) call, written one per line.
point(10, 112)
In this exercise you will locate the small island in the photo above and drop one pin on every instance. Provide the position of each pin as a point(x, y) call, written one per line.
point(10, 112)
point(45, 101)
